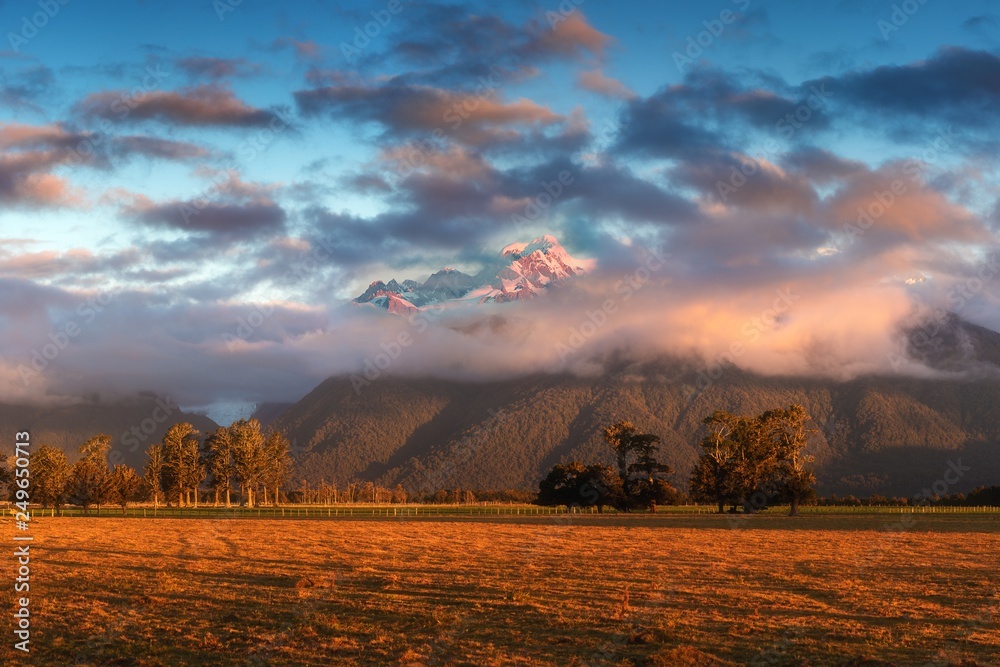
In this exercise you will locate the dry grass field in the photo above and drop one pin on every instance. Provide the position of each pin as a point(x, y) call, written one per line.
point(546, 591)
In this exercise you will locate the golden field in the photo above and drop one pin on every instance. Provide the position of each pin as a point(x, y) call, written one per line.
point(583, 590)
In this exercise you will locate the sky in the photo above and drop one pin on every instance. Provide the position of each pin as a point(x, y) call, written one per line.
point(192, 192)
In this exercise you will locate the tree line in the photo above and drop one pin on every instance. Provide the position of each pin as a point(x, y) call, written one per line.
point(239, 458)
point(747, 462)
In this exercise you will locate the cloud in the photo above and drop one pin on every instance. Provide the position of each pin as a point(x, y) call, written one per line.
point(955, 86)
point(405, 110)
point(31, 154)
point(74, 263)
point(456, 155)
point(821, 166)
point(205, 105)
point(983, 25)
point(448, 46)
point(159, 148)
point(715, 111)
point(304, 49)
point(234, 221)
point(598, 82)
point(451, 86)
point(566, 36)
point(902, 205)
point(218, 68)
point(23, 90)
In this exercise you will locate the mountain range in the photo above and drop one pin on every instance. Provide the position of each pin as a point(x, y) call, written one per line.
point(520, 271)
point(894, 435)
point(133, 424)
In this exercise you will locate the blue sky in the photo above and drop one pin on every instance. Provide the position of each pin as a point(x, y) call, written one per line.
point(232, 141)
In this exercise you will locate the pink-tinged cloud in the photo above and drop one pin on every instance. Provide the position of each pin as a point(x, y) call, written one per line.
point(206, 105)
point(31, 153)
point(25, 178)
point(896, 202)
point(474, 118)
point(304, 49)
point(16, 135)
point(598, 82)
point(73, 263)
point(569, 36)
point(49, 190)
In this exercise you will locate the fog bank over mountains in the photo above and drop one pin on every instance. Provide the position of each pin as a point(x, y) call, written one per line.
point(541, 311)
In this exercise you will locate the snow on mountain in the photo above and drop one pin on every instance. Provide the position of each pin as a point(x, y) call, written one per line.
point(521, 271)
point(533, 267)
point(393, 302)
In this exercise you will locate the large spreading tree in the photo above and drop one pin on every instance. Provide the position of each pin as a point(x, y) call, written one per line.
point(754, 461)
point(639, 481)
point(643, 477)
point(575, 484)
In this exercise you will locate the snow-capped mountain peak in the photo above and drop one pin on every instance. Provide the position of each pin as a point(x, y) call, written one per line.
point(521, 271)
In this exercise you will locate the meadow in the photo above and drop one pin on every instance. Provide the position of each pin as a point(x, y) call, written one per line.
point(671, 589)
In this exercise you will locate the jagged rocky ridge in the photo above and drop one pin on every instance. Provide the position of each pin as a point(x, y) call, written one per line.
point(520, 271)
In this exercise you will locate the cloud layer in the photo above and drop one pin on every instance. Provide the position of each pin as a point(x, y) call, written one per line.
point(784, 223)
